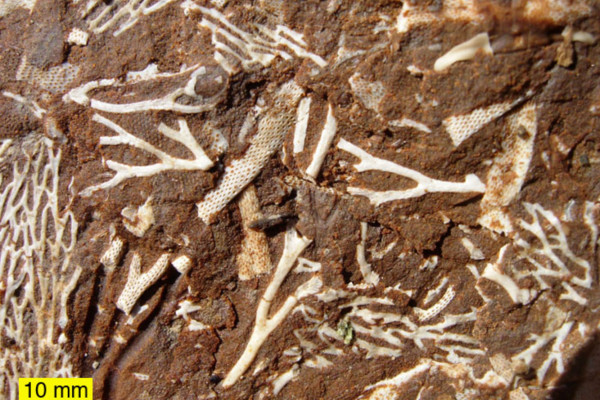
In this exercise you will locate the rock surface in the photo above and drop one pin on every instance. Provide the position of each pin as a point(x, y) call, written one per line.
point(301, 199)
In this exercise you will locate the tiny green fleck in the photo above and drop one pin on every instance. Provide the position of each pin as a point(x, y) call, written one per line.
point(345, 331)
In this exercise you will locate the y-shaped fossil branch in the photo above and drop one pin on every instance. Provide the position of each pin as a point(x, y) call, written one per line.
point(424, 183)
point(167, 162)
point(294, 245)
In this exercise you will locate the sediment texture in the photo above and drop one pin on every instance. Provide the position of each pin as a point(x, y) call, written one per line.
point(300, 199)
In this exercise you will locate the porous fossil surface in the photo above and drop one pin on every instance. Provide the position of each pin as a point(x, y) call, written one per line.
point(256, 199)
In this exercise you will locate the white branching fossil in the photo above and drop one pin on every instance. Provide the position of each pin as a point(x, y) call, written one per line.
point(104, 16)
point(390, 389)
point(167, 162)
point(552, 246)
point(272, 128)
point(34, 107)
point(424, 183)
point(381, 331)
point(249, 49)
point(555, 331)
point(550, 258)
point(37, 276)
point(494, 272)
point(184, 99)
point(264, 325)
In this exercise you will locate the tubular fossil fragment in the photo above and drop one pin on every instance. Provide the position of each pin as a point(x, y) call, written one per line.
point(325, 140)
point(302, 114)
point(272, 128)
point(464, 51)
point(424, 183)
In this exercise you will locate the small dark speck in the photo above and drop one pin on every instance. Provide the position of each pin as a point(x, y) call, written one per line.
point(522, 132)
point(214, 379)
point(584, 160)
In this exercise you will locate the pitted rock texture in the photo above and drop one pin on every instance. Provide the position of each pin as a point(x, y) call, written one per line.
point(301, 199)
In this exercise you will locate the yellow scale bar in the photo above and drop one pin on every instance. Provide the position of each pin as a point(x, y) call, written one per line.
point(55, 388)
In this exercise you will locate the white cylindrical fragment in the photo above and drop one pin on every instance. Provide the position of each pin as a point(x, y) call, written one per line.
point(182, 264)
point(327, 136)
point(302, 114)
point(464, 51)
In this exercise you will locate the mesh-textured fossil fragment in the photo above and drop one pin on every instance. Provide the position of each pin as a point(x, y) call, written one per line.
point(424, 183)
point(429, 313)
point(138, 282)
point(254, 258)
point(182, 264)
point(37, 276)
point(503, 367)
point(78, 37)
point(509, 169)
point(55, 79)
point(272, 128)
point(167, 162)
point(369, 93)
point(462, 127)
point(111, 257)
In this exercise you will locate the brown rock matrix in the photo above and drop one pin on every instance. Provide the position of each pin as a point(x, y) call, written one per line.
point(268, 199)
